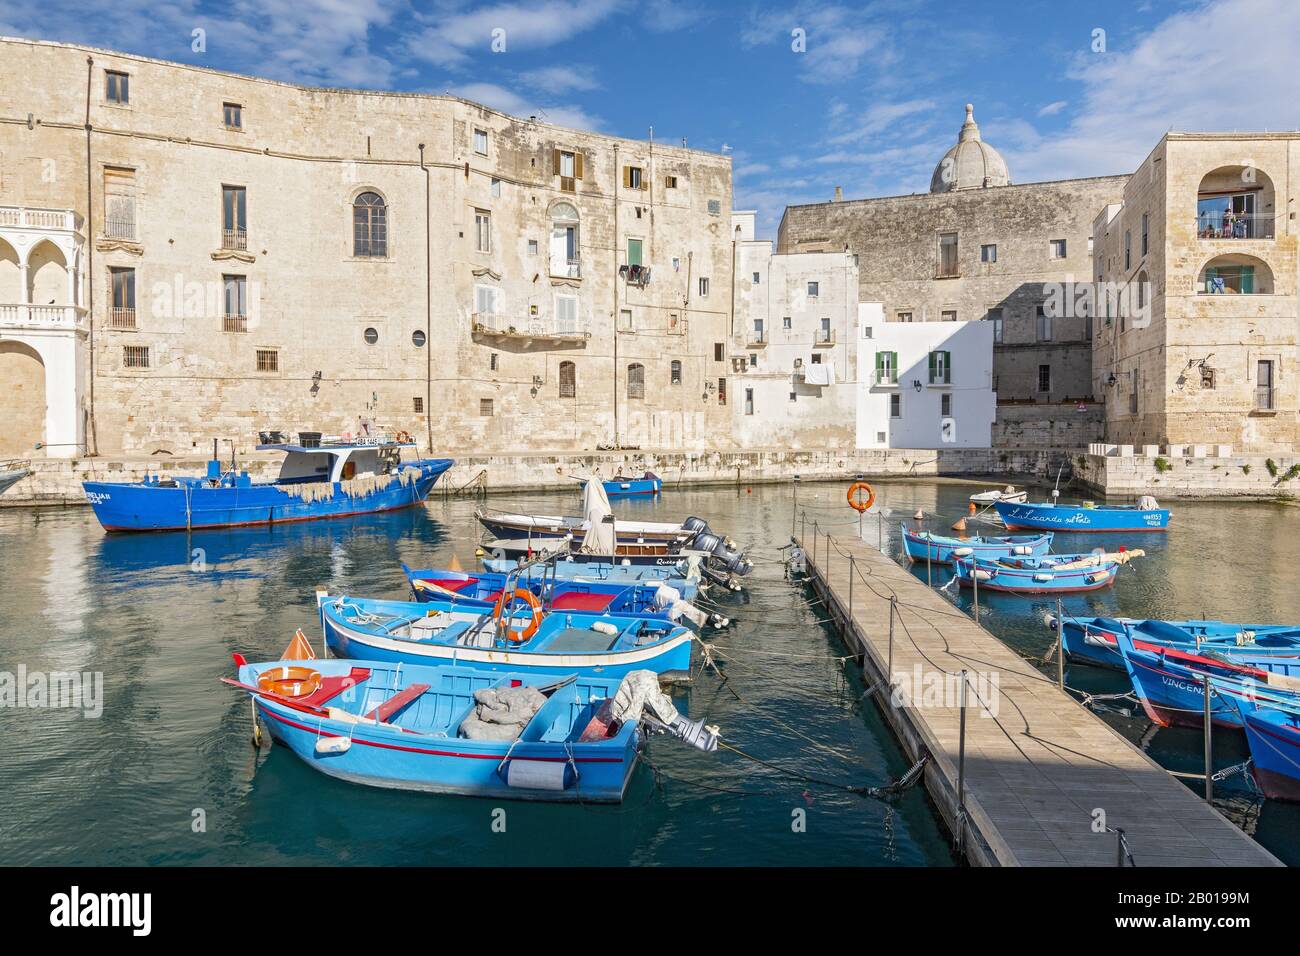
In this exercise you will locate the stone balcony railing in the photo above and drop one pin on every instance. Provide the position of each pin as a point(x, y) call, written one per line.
point(44, 317)
point(500, 325)
point(23, 217)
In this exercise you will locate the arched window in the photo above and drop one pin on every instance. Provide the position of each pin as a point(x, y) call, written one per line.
point(676, 373)
point(565, 245)
point(568, 380)
point(636, 380)
point(369, 226)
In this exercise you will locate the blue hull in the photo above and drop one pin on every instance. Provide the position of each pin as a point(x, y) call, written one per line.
point(599, 572)
point(1036, 576)
point(940, 548)
point(564, 644)
point(1094, 640)
point(196, 504)
point(646, 487)
point(420, 749)
point(1273, 735)
point(1047, 517)
point(482, 590)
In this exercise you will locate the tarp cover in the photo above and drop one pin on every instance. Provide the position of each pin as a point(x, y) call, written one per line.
point(639, 693)
point(501, 713)
point(597, 521)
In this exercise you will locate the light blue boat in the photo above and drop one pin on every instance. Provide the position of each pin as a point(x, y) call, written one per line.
point(406, 727)
point(1049, 574)
point(315, 481)
point(1094, 640)
point(1042, 516)
point(619, 486)
point(679, 576)
point(564, 642)
point(941, 549)
point(1273, 734)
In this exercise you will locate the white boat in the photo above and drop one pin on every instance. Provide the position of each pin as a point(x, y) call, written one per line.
point(12, 472)
point(1008, 493)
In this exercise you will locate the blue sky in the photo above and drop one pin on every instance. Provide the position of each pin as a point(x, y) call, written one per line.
point(870, 104)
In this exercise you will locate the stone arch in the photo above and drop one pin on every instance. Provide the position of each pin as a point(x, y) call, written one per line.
point(1236, 202)
point(1235, 273)
point(47, 275)
point(22, 400)
point(11, 275)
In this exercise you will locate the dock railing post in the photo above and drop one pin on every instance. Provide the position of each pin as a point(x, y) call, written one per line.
point(961, 764)
point(880, 531)
point(889, 660)
point(975, 587)
point(1209, 748)
point(1060, 647)
point(1119, 847)
point(853, 567)
point(929, 583)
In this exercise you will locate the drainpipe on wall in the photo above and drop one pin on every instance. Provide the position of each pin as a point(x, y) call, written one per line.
point(92, 432)
point(428, 311)
point(617, 173)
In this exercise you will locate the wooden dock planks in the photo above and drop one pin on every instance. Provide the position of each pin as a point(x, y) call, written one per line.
point(1034, 776)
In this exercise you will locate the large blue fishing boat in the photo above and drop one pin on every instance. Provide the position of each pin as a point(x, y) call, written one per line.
point(1273, 735)
point(511, 635)
point(941, 549)
point(1094, 640)
point(1044, 516)
point(326, 480)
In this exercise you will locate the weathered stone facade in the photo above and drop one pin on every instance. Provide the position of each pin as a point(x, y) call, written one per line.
point(328, 335)
point(1183, 358)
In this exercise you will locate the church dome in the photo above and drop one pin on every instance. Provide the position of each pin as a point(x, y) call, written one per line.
point(971, 164)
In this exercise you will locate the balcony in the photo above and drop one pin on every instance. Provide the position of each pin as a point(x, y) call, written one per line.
point(236, 239)
point(884, 378)
point(756, 339)
point(825, 339)
point(234, 323)
point(528, 331)
point(1234, 226)
point(43, 317)
point(635, 275)
point(122, 319)
point(566, 268)
point(21, 217)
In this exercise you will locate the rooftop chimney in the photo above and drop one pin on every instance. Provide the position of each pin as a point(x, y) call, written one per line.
point(839, 194)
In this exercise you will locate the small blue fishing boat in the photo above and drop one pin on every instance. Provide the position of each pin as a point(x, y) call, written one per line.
point(1048, 574)
point(1273, 734)
point(328, 480)
point(421, 728)
point(941, 549)
point(680, 576)
point(12, 472)
point(521, 637)
point(1042, 516)
point(647, 486)
point(1170, 683)
point(1093, 640)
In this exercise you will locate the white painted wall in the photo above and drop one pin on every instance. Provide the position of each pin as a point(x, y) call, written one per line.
point(920, 423)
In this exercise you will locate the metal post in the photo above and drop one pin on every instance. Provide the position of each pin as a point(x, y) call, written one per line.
point(1209, 751)
point(795, 512)
point(961, 762)
point(975, 586)
point(1060, 647)
point(880, 531)
point(1119, 847)
point(889, 666)
point(803, 528)
point(928, 582)
point(852, 568)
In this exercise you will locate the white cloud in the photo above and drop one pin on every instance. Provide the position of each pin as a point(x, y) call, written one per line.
point(1051, 109)
point(562, 79)
point(508, 101)
point(838, 39)
point(449, 38)
point(879, 117)
point(1198, 70)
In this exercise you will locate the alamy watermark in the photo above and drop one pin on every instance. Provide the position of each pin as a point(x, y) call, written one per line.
point(65, 690)
point(940, 689)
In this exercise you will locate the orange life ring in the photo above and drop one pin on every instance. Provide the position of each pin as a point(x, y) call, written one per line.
point(855, 501)
point(528, 630)
point(289, 681)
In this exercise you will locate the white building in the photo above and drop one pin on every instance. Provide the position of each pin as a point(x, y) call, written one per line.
point(792, 344)
point(925, 384)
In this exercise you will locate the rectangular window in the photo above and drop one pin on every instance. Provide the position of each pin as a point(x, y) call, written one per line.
point(995, 316)
point(633, 178)
point(480, 141)
point(496, 189)
point(566, 314)
point(119, 203)
point(886, 368)
point(417, 405)
point(758, 334)
point(904, 317)
point(492, 362)
point(636, 380)
point(757, 278)
point(634, 247)
point(670, 182)
point(825, 336)
point(785, 322)
point(117, 87)
point(234, 316)
point(1044, 324)
point(940, 368)
point(268, 360)
point(1146, 224)
point(753, 360)
point(989, 252)
point(135, 356)
point(895, 405)
point(1128, 250)
point(719, 352)
point(1044, 378)
point(485, 407)
point(568, 165)
point(816, 358)
point(722, 391)
point(749, 401)
point(948, 315)
point(1264, 385)
point(532, 247)
point(486, 299)
point(482, 230)
point(1057, 247)
point(675, 373)
point(945, 404)
point(947, 254)
point(625, 320)
point(1133, 392)
point(704, 287)
point(234, 218)
point(122, 315)
point(813, 290)
point(232, 114)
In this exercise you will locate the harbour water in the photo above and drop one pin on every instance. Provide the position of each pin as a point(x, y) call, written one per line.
point(167, 773)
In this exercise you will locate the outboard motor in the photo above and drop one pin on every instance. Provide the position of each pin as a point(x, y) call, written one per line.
point(693, 525)
point(730, 559)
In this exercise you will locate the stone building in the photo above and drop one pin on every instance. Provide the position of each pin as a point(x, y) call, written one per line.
point(976, 247)
point(793, 346)
point(259, 255)
point(1196, 268)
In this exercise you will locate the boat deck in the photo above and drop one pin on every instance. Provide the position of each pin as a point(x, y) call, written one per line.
point(1037, 773)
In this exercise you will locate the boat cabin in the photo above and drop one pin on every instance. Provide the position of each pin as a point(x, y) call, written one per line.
point(334, 463)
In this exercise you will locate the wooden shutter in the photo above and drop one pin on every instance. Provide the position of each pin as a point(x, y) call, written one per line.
point(555, 162)
point(627, 177)
point(577, 164)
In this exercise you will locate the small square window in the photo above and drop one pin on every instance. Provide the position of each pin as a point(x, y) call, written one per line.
point(670, 182)
point(817, 358)
point(492, 361)
point(785, 322)
point(812, 289)
point(268, 360)
point(232, 114)
point(480, 141)
point(757, 278)
point(905, 317)
point(719, 351)
point(532, 247)
point(895, 405)
point(117, 87)
point(417, 405)
point(948, 315)
point(989, 252)
point(496, 188)
point(1058, 248)
point(704, 287)
point(135, 356)
point(485, 407)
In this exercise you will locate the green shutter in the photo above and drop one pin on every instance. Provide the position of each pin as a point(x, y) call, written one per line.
point(947, 367)
point(893, 366)
point(880, 365)
point(934, 357)
point(1248, 280)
